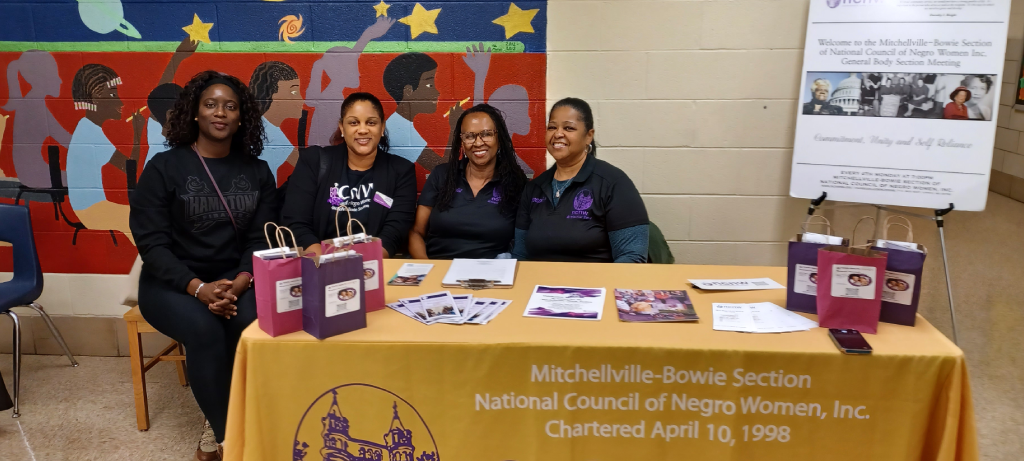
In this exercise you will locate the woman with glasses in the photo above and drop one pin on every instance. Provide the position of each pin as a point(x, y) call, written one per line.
point(468, 206)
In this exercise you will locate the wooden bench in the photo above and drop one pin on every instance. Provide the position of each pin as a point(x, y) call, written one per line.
point(136, 326)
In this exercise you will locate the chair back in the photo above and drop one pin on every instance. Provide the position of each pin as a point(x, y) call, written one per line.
point(17, 230)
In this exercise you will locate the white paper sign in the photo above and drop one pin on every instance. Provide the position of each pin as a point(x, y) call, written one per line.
point(289, 295)
point(850, 281)
point(806, 280)
point(736, 284)
point(880, 118)
point(341, 298)
point(898, 288)
point(371, 274)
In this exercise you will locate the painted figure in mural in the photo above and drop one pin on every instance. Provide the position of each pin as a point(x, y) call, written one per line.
point(277, 89)
point(409, 79)
point(198, 213)
point(377, 187)
point(511, 100)
point(341, 64)
point(33, 122)
point(468, 207)
point(821, 89)
point(161, 100)
point(94, 90)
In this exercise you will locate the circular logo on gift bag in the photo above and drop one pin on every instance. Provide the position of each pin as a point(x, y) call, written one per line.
point(897, 285)
point(859, 280)
point(368, 273)
point(349, 422)
point(584, 198)
point(346, 294)
point(296, 291)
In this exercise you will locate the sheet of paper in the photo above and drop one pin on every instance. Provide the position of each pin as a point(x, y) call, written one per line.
point(410, 274)
point(414, 306)
point(477, 309)
point(502, 304)
point(500, 271)
point(566, 303)
point(401, 309)
point(731, 317)
point(736, 284)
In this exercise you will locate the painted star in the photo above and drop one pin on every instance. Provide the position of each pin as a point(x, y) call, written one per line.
point(421, 20)
point(381, 8)
point(516, 20)
point(198, 31)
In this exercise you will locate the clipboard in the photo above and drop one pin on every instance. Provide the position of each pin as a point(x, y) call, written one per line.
point(498, 273)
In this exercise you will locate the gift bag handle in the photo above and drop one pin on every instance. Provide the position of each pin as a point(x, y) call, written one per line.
point(337, 227)
point(853, 237)
point(350, 219)
point(827, 224)
point(267, 235)
point(281, 241)
point(908, 226)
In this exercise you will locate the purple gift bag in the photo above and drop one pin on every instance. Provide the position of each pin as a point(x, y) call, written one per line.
point(332, 294)
point(901, 290)
point(802, 277)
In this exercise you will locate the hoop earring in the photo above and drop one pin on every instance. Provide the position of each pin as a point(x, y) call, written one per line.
point(590, 147)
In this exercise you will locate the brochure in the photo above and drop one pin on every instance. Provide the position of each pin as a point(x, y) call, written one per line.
point(736, 284)
point(758, 318)
point(410, 275)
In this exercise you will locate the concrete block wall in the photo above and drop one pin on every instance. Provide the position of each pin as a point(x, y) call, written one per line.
point(696, 101)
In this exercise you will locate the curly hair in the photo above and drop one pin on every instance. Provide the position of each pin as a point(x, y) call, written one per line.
point(264, 80)
point(511, 179)
point(182, 129)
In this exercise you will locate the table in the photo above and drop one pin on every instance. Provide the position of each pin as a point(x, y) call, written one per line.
point(550, 389)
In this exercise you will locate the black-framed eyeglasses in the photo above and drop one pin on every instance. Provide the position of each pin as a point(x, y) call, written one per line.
point(485, 135)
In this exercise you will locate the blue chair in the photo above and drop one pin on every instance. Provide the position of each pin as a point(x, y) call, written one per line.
point(26, 286)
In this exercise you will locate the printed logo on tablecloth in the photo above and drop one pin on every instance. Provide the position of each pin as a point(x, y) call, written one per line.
point(345, 423)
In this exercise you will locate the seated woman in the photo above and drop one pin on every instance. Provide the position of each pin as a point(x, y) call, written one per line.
point(957, 110)
point(378, 188)
point(582, 209)
point(468, 207)
point(197, 215)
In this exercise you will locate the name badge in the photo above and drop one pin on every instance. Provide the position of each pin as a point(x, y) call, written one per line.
point(383, 199)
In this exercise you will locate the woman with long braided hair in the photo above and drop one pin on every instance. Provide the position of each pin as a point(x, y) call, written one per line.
point(198, 215)
point(468, 206)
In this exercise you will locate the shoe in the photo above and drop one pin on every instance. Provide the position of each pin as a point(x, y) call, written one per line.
point(208, 449)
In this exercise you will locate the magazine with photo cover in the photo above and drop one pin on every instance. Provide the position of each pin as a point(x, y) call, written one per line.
point(654, 306)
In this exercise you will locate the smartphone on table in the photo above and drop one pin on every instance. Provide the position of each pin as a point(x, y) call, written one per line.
point(849, 341)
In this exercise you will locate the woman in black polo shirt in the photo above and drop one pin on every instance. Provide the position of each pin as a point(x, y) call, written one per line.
point(583, 209)
point(197, 216)
point(468, 206)
point(377, 187)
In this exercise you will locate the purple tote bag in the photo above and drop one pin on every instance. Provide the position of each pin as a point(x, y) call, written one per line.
point(332, 295)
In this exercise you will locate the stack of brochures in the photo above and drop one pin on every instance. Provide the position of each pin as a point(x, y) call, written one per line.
point(654, 306)
point(758, 318)
point(443, 307)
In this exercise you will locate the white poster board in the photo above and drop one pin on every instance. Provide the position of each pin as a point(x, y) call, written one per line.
point(864, 135)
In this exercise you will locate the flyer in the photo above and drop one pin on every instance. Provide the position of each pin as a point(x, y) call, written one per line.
point(654, 306)
point(410, 274)
point(566, 303)
point(898, 101)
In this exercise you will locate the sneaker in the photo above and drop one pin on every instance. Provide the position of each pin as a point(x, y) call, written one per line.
point(208, 449)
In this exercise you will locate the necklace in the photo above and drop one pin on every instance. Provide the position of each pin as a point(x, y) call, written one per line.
point(558, 192)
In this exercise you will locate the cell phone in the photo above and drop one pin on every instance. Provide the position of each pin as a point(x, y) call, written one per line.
point(849, 341)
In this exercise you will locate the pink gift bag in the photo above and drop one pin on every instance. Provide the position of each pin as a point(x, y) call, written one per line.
point(850, 287)
point(373, 259)
point(277, 279)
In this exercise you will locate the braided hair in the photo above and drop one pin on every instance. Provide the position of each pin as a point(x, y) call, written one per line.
point(511, 179)
point(182, 129)
point(90, 79)
point(264, 80)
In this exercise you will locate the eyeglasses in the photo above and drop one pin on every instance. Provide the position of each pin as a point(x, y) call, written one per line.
point(485, 135)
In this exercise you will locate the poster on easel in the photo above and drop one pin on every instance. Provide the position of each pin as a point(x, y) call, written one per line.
point(898, 101)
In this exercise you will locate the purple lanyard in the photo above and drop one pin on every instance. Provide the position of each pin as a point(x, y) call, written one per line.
point(216, 188)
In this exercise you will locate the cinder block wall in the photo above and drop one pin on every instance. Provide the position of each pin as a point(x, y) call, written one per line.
point(1008, 158)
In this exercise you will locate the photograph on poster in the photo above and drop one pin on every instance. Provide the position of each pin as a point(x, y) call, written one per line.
point(907, 95)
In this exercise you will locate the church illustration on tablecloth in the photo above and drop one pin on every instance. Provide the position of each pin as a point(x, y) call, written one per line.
point(339, 445)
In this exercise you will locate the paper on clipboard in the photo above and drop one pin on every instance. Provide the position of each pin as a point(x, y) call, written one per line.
point(500, 272)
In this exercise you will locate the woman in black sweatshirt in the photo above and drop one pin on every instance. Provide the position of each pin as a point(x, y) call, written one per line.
point(377, 187)
point(197, 215)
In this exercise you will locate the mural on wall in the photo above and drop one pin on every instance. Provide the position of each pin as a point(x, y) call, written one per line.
point(90, 86)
